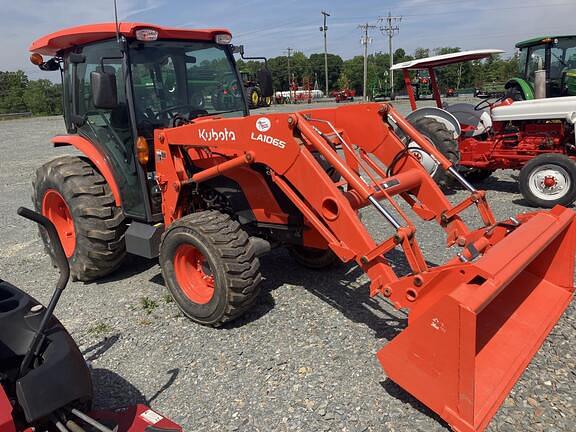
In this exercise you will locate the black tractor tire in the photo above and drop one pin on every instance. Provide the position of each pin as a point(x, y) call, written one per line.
point(228, 258)
point(312, 258)
point(515, 93)
point(253, 97)
point(443, 140)
point(98, 224)
point(477, 175)
point(535, 193)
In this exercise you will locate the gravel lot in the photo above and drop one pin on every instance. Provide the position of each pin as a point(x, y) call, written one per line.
point(303, 359)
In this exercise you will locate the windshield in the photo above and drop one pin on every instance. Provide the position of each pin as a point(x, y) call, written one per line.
point(183, 79)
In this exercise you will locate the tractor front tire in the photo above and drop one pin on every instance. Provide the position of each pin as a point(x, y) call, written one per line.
point(210, 267)
point(547, 180)
point(71, 193)
point(443, 140)
point(312, 258)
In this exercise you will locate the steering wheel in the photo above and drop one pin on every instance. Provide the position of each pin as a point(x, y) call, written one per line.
point(170, 110)
point(486, 103)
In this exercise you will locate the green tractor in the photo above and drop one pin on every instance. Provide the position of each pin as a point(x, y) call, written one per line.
point(554, 54)
point(254, 91)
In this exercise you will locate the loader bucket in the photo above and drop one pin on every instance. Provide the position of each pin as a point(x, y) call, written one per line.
point(468, 343)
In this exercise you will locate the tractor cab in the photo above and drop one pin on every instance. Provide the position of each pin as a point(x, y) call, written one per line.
point(121, 84)
point(554, 54)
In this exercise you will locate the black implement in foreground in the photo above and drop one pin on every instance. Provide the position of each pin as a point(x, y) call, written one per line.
point(45, 382)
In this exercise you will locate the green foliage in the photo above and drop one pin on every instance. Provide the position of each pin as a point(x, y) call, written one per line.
point(148, 304)
point(19, 94)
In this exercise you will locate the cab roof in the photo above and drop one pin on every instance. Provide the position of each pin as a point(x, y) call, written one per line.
point(541, 39)
point(446, 59)
point(53, 43)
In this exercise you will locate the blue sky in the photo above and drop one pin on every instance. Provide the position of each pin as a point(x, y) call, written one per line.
point(269, 27)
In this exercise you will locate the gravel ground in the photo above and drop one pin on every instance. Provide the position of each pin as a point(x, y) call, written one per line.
point(303, 359)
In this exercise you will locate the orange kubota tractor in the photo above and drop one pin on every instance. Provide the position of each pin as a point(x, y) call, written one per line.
point(162, 172)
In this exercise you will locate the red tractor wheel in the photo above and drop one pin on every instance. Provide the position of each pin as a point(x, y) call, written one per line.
point(193, 274)
point(210, 267)
point(75, 197)
point(548, 180)
point(54, 207)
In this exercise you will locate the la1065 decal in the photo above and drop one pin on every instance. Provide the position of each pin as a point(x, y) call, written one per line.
point(263, 124)
point(268, 140)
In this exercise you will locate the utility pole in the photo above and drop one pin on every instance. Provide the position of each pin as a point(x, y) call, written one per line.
point(324, 29)
point(289, 51)
point(365, 40)
point(391, 26)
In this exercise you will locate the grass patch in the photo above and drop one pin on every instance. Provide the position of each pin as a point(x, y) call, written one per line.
point(148, 304)
point(100, 329)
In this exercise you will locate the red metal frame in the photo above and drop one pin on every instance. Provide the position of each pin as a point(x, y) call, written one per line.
point(6, 418)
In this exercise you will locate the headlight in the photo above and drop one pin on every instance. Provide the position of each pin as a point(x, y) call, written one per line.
point(223, 38)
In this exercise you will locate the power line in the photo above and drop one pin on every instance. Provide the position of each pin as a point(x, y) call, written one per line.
point(365, 40)
point(391, 26)
point(324, 29)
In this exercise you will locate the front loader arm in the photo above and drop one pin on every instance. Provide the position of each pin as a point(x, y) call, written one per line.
point(286, 144)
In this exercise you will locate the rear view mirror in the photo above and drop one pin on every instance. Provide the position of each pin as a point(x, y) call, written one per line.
point(265, 80)
point(104, 91)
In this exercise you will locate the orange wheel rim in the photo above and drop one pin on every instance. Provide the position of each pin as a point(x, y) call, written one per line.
point(193, 274)
point(54, 207)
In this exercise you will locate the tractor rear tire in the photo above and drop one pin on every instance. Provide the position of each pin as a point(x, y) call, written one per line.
point(515, 93)
point(76, 198)
point(559, 170)
point(443, 140)
point(210, 267)
point(312, 258)
point(253, 98)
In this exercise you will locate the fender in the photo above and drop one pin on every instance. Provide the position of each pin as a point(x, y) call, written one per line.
point(95, 156)
point(524, 86)
point(439, 114)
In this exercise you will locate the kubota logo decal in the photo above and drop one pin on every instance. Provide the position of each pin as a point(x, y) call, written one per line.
point(263, 124)
point(215, 135)
point(268, 140)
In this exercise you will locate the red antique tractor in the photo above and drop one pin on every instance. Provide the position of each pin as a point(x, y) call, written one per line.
point(208, 191)
point(536, 137)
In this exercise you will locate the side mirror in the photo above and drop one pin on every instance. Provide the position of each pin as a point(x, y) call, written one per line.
point(238, 49)
point(265, 80)
point(104, 91)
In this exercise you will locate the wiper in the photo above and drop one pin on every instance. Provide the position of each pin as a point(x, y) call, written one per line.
point(217, 113)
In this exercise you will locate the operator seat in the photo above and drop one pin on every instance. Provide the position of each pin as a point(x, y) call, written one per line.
point(466, 115)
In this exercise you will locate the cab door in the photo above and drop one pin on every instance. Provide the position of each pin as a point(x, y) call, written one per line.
point(109, 129)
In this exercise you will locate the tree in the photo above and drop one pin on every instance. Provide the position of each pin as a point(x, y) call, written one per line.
point(421, 53)
point(335, 64)
point(12, 86)
point(42, 97)
point(19, 94)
